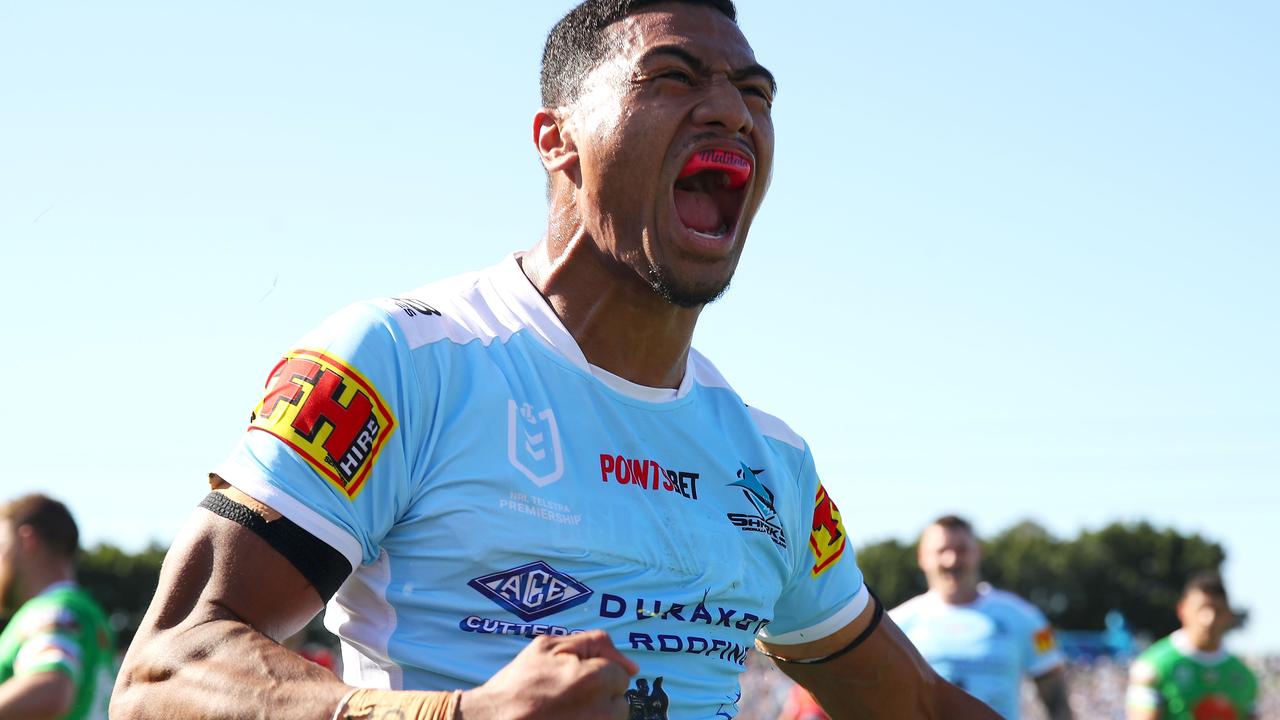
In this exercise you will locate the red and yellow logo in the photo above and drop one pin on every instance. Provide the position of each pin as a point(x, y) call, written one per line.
point(1043, 640)
point(826, 542)
point(327, 412)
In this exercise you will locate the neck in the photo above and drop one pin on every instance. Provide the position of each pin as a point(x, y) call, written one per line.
point(1202, 641)
point(41, 576)
point(960, 596)
point(621, 324)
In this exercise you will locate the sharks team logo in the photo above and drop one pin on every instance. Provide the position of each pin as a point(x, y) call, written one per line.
point(765, 518)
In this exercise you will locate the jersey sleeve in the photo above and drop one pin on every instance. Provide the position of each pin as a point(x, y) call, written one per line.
point(50, 642)
point(1040, 649)
point(329, 444)
point(1142, 693)
point(825, 591)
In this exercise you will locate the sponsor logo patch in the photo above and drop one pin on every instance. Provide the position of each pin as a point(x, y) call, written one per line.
point(532, 591)
point(647, 474)
point(827, 540)
point(539, 507)
point(489, 626)
point(1044, 641)
point(765, 518)
point(645, 702)
point(330, 414)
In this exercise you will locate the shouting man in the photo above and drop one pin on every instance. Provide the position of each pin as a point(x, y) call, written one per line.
point(518, 489)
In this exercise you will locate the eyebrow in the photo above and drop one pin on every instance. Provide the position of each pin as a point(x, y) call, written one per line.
point(753, 70)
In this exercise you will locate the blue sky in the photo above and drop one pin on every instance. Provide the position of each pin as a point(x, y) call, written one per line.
point(1018, 261)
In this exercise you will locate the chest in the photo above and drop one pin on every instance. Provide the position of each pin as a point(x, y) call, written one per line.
point(967, 634)
point(545, 492)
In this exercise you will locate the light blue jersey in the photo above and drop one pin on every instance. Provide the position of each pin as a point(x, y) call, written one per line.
point(488, 485)
point(985, 646)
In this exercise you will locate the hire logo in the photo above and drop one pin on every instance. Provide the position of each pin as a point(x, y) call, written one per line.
point(826, 541)
point(532, 591)
point(328, 413)
point(765, 519)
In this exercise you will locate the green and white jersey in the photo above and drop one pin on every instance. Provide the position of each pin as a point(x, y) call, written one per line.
point(1184, 683)
point(63, 630)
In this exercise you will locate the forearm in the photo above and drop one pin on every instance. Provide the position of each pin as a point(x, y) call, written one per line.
point(41, 696)
point(1052, 687)
point(883, 694)
point(223, 669)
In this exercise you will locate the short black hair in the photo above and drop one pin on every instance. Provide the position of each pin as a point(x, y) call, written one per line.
point(575, 46)
point(48, 518)
point(1208, 582)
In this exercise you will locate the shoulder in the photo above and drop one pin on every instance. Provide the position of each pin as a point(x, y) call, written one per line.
point(49, 613)
point(908, 610)
point(461, 309)
point(1013, 604)
point(769, 426)
point(1159, 655)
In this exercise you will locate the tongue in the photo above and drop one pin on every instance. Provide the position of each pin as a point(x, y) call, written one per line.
point(698, 211)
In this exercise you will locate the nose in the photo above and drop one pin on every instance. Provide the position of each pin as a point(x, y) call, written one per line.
point(724, 108)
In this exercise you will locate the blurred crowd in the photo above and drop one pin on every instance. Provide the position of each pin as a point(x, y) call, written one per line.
point(1097, 690)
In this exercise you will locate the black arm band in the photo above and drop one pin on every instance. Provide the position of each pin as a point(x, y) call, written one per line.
point(325, 568)
point(862, 637)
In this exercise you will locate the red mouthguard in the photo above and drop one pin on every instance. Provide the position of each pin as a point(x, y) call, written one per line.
point(735, 165)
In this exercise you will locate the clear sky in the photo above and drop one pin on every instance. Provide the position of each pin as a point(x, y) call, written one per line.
point(1018, 261)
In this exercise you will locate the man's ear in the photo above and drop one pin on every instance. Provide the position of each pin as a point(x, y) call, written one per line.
point(28, 540)
point(555, 143)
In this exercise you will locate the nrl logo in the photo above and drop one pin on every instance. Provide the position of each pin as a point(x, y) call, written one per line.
point(533, 443)
point(532, 591)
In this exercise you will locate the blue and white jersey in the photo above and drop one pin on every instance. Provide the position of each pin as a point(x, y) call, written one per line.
point(985, 646)
point(488, 485)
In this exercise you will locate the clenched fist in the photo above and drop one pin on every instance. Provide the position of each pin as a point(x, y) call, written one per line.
point(574, 677)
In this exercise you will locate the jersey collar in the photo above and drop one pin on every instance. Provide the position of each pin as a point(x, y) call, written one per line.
point(535, 313)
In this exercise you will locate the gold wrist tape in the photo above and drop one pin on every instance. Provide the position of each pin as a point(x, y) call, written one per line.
point(368, 704)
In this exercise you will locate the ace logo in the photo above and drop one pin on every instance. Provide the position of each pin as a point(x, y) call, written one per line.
point(328, 413)
point(532, 591)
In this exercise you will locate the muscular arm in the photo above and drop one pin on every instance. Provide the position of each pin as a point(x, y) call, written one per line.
point(208, 646)
point(1052, 687)
point(39, 696)
point(885, 677)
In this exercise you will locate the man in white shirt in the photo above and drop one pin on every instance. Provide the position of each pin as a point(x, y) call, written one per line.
point(980, 638)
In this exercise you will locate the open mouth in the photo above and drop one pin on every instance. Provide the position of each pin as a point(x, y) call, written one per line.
point(710, 190)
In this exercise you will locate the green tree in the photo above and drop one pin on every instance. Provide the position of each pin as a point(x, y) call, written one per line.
point(891, 571)
point(122, 582)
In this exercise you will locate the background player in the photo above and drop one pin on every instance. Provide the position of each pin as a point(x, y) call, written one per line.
point(1188, 675)
point(56, 653)
point(980, 638)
